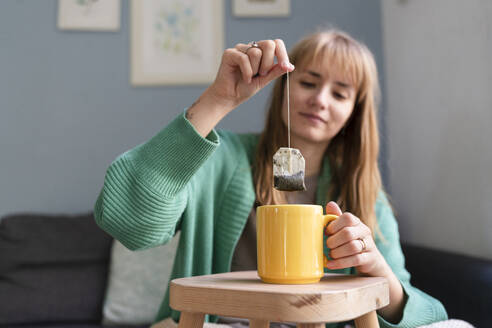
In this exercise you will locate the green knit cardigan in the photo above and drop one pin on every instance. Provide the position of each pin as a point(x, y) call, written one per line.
point(204, 187)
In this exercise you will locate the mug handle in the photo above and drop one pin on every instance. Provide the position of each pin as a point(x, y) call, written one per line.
point(326, 220)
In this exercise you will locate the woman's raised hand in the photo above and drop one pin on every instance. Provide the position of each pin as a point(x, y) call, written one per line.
point(246, 69)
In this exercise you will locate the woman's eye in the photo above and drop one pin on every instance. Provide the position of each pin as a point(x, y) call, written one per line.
point(307, 84)
point(339, 95)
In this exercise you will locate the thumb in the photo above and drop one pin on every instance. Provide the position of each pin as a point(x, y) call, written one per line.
point(333, 208)
point(274, 73)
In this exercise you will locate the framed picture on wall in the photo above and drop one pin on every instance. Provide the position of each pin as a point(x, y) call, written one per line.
point(92, 15)
point(261, 8)
point(175, 42)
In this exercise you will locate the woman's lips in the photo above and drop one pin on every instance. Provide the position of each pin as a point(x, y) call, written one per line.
point(312, 117)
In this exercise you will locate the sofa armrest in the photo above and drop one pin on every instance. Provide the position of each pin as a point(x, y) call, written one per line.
point(462, 283)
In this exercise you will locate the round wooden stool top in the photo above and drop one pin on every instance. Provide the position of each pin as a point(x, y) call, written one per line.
point(335, 298)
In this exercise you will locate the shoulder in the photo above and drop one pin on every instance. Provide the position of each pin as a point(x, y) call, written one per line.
point(385, 216)
point(383, 205)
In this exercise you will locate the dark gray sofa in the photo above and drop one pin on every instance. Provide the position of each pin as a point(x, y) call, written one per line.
point(53, 273)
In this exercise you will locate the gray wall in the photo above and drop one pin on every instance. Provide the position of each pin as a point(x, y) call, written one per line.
point(67, 108)
point(439, 116)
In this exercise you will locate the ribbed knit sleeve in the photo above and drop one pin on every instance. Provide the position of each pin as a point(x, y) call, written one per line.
point(420, 308)
point(144, 192)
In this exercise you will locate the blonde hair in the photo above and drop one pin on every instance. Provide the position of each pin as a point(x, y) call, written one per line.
point(353, 152)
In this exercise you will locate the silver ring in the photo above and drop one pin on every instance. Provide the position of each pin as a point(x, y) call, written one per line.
point(253, 44)
point(363, 244)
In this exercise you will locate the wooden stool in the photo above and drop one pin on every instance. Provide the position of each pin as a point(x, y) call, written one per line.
point(335, 298)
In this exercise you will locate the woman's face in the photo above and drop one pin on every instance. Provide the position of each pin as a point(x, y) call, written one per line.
point(321, 101)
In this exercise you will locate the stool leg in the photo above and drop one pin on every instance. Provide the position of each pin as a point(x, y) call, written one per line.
point(311, 325)
point(368, 320)
point(257, 323)
point(191, 320)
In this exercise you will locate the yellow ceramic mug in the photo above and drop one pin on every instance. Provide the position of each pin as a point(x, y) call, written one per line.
point(290, 243)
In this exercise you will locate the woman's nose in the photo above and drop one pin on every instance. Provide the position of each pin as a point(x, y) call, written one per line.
point(321, 99)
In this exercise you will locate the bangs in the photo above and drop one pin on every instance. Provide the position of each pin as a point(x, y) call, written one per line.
point(337, 51)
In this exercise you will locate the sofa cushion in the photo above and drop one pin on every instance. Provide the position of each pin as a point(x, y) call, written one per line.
point(137, 283)
point(52, 269)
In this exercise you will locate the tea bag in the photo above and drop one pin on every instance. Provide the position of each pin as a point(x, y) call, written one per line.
point(288, 170)
point(288, 163)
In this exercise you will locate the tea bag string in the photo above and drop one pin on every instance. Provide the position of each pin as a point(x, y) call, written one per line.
point(288, 123)
point(288, 109)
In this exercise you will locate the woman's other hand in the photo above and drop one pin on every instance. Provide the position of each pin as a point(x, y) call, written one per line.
point(351, 245)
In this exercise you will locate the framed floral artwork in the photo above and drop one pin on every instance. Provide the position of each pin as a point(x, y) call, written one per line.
point(261, 8)
point(92, 15)
point(176, 42)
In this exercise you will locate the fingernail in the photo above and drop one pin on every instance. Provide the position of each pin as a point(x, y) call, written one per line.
point(291, 66)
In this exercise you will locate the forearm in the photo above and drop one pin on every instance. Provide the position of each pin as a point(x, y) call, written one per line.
point(135, 223)
point(142, 199)
point(393, 312)
point(206, 113)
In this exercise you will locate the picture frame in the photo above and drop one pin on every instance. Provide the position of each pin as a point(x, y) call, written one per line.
point(176, 42)
point(261, 8)
point(89, 15)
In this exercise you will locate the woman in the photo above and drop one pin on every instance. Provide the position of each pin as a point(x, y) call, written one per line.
point(208, 183)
